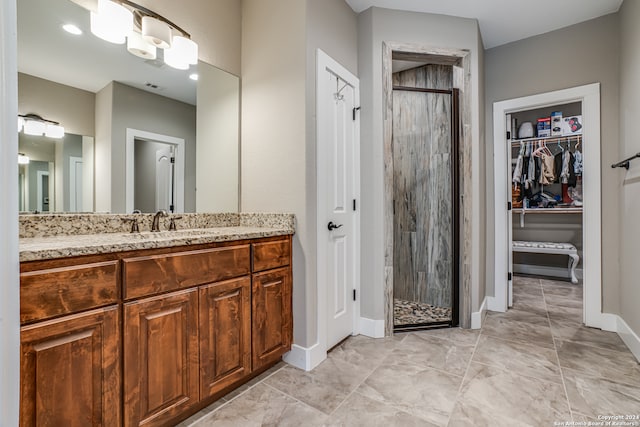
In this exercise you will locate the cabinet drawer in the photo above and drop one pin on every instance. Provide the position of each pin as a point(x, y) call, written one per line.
point(269, 255)
point(64, 290)
point(153, 274)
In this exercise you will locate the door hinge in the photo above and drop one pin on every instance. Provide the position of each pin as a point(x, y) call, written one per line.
point(354, 294)
point(354, 112)
point(354, 204)
point(173, 160)
point(508, 135)
point(508, 206)
point(509, 276)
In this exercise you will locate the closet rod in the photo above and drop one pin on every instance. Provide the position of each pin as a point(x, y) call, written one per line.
point(625, 163)
point(419, 89)
point(547, 139)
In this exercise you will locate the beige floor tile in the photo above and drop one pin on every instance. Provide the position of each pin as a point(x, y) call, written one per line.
point(526, 281)
point(525, 359)
point(325, 387)
point(420, 391)
point(192, 420)
point(517, 314)
point(364, 351)
point(360, 411)
point(565, 313)
point(263, 406)
point(573, 291)
point(538, 334)
point(534, 291)
point(434, 352)
point(494, 397)
point(561, 301)
point(576, 332)
point(458, 335)
point(612, 365)
point(592, 396)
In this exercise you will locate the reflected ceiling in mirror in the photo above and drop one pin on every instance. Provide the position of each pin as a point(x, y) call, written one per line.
point(85, 61)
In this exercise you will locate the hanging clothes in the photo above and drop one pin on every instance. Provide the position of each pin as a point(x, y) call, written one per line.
point(517, 172)
point(548, 175)
point(578, 166)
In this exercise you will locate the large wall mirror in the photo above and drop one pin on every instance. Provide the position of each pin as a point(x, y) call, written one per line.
point(139, 135)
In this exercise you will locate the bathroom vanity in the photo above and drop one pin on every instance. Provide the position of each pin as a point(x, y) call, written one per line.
point(148, 328)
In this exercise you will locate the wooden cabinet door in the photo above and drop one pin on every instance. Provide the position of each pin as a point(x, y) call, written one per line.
point(70, 371)
point(271, 316)
point(225, 334)
point(160, 358)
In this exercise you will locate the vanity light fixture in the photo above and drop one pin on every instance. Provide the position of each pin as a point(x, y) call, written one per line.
point(33, 124)
point(22, 159)
point(194, 76)
point(112, 22)
point(117, 20)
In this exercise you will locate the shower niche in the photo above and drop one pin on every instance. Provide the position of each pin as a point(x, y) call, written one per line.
point(425, 146)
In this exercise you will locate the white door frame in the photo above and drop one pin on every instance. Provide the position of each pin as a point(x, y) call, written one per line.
point(132, 135)
point(589, 95)
point(39, 190)
point(326, 63)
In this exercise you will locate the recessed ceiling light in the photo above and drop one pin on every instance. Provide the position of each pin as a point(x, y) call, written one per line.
point(72, 29)
point(193, 76)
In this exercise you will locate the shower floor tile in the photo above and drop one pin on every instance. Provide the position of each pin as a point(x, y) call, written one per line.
point(416, 313)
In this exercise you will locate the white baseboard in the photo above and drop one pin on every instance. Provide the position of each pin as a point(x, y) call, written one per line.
point(609, 322)
point(371, 328)
point(540, 270)
point(630, 338)
point(476, 316)
point(305, 358)
point(492, 304)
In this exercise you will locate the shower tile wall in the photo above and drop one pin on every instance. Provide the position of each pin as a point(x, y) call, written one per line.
point(423, 251)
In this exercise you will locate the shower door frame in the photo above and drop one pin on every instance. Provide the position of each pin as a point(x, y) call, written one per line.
point(455, 210)
point(460, 59)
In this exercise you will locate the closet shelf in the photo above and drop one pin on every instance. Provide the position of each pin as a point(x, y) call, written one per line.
point(548, 139)
point(548, 211)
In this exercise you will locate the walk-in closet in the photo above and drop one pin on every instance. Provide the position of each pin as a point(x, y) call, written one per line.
point(425, 194)
point(547, 173)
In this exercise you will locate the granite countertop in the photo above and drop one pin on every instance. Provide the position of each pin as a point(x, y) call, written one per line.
point(62, 246)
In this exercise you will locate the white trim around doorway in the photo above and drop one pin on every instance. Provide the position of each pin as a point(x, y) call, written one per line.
point(132, 135)
point(589, 95)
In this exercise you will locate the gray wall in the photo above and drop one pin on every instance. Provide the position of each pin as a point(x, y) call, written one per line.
point(72, 107)
point(137, 109)
point(376, 26)
point(629, 207)
point(145, 174)
point(278, 140)
point(573, 56)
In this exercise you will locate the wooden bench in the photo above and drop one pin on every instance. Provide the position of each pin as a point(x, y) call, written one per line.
point(551, 248)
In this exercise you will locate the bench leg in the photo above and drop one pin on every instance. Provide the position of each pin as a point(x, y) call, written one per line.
point(574, 259)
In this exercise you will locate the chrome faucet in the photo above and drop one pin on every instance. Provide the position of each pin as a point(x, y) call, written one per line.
point(155, 226)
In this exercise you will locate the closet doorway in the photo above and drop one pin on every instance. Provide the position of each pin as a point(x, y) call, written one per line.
point(587, 100)
point(425, 196)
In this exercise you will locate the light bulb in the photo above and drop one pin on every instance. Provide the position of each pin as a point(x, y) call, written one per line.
point(113, 22)
point(138, 46)
point(54, 131)
point(182, 53)
point(34, 127)
point(156, 32)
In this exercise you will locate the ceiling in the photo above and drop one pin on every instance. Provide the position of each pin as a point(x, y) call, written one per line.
point(505, 21)
point(86, 62)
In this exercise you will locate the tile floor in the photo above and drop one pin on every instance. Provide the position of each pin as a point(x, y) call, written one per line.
point(532, 366)
point(416, 313)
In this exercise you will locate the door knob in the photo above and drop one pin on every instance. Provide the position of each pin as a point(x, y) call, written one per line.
point(331, 226)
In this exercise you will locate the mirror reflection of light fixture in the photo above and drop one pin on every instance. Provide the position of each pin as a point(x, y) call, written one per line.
point(182, 53)
point(35, 125)
point(139, 47)
point(117, 20)
point(156, 32)
point(112, 22)
point(22, 159)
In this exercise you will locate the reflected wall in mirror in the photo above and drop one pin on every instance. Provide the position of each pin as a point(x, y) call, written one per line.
point(56, 174)
point(99, 90)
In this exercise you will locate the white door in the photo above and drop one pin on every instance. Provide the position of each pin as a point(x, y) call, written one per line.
point(338, 190)
point(164, 179)
point(75, 184)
